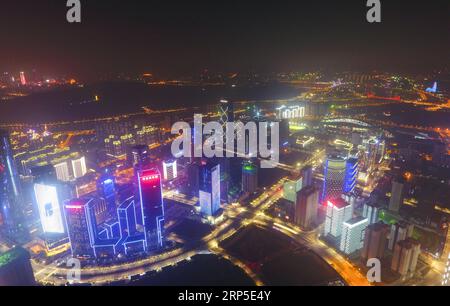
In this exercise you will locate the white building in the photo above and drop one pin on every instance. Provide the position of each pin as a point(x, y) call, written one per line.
point(371, 211)
point(62, 172)
point(353, 234)
point(338, 212)
point(170, 170)
point(79, 167)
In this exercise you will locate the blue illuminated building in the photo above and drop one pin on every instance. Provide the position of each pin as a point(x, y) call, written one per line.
point(152, 207)
point(209, 193)
point(11, 211)
point(106, 190)
point(351, 174)
point(432, 89)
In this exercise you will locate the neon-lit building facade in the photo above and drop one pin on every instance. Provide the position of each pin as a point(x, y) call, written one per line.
point(106, 190)
point(351, 175)
point(209, 193)
point(79, 167)
point(334, 176)
point(152, 207)
point(50, 208)
point(249, 177)
point(170, 170)
point(353, 234)
point(11, 213)
point(81, 227)
point(338, 211)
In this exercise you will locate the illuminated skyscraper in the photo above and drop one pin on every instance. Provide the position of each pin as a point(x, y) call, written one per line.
point(193, 182)
point(338, 212)
point(226, 112)
point(62, 172)
point(351, 175)
point(170, 170)
point(11, 210)
point(371, 211)
point(81, 226)
point(79, 167)
point(49, 204)
point(107, 191)
point(209, 194)
point(306, 206)
point(353, 232)
point(152, 207)
point(334, 175)
point(249, 177)
point(23, 80)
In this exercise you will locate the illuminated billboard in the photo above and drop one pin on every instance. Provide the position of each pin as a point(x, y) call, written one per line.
point(49, 209)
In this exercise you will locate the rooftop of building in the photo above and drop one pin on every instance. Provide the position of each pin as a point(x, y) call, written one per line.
point(356, 220)
point(339, 203)
point(12, 255)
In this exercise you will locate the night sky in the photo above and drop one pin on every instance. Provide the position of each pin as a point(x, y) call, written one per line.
point(185, 37)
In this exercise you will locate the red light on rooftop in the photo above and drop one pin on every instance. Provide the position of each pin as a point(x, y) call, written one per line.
point(330, 204)
point(74, 207)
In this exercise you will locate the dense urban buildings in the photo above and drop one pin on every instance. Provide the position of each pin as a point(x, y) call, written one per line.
point(332, 166)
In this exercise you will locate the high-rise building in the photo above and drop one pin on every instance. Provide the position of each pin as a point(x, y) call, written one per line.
point(49, 204)
point(334, 175)
point(193, 174)
point(290, 188)
point(226, 111)
point(307, 176)
point(338, 211)
point(371, 212)
point(81, 226)
point(15, 268)
point(139, 157)
point(400, 231)
point(23, 80)
point(11, 210)
point(353, 232)
point(209, 194)
point(249, 177)
point(397, 195)
point(152, 207)
point(79, 167)
point(62, 172)
point(306, 206)
point(170, 170)
point(351, 175)
point(106, 190)
point(375, 241)
point(406, 255)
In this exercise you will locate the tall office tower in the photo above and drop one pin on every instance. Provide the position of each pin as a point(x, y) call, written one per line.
point(249, 177)
point(445, 273)
point(371, 212)
point(338, 212)
point(81, 226)
point(334, 175)
point(43, 173)
point(152, 207)
point(375, 241)
point(209, 194)
point(193, 178)
point(139, 157)
point(372, 151)
point(290, 188)
point(307, 176)
point(170, 169)
point(106, 190)
point(353, 232)
point(11, 210)
point(79, 167)
point(397, 194)
point(400, 231)
point(49, 202)
point(62, 172)
point(351, 174)
point(306, 206)
point(15, 268)
point(23, 80)
point(406, 255)
point(127, 218)
point(226, 112)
